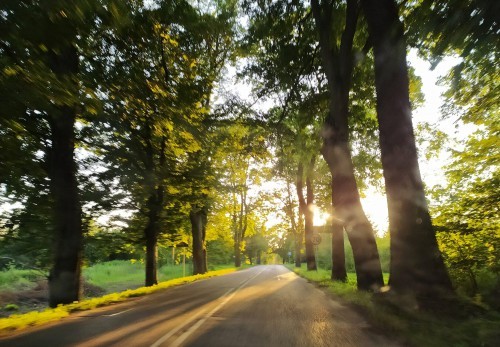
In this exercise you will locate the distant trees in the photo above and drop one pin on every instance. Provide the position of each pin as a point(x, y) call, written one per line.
point(241, 150)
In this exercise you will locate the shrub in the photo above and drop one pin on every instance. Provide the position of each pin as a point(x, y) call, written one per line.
point(11, 307)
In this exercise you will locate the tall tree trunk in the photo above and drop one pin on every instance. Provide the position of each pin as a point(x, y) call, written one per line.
point(65, 275)
point(296, 225)
point(308, 221)
point(240, 220)
point(416, 263)
point(204, 237)
point(237, 253)
point(338, 65)
point(198, 219)
point(339, 272)
point(151, 254)
point(236, 235)
point(306, 208)
point(300, 240)
point(347, 204)
point(155, 206)
point(151, 233)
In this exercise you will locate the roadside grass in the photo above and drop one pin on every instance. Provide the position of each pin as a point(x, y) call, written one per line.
point(17, 322)
point(115, 275)
point(459, 326)
point(111, 276)
point(119, 275)
point(18, 279)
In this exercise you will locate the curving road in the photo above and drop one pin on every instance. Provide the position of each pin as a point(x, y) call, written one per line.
point(261, 306)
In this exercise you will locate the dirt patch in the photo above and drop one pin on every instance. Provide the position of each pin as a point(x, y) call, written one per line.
point(25, 300)
point(92, 291)
point(36, 299)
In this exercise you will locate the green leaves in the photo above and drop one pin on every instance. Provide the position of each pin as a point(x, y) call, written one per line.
point(469, 30)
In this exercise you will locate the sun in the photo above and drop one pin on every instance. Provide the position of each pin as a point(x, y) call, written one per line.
point(320, 217)
point(375, 207)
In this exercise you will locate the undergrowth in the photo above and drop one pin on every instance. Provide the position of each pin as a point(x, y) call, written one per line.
point(458, 326)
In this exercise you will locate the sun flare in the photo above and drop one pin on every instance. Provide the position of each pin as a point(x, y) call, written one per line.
point(375, 207)
point(320, 217)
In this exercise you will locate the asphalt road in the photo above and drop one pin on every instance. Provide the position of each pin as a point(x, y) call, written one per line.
point(260, 306)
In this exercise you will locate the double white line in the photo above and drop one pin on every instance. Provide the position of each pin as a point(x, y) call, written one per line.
point(225, 299)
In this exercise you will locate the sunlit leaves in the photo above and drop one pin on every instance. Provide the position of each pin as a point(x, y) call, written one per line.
point(469, 30)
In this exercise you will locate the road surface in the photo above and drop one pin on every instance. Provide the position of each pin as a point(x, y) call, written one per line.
point(261, 306)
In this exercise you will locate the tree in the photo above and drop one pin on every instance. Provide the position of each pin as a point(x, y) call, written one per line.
point(306, 205)
point(153, 105)
point(198, 218)
point(466, 212)
point(40, 43)
point(298, 150)
point(295, 219)
point(283, 40)
point(215, 34)
point(338, 64)
point(256, 245)
point(465, 217)
point(241, 150)
point(468, 30)
point(417, 266)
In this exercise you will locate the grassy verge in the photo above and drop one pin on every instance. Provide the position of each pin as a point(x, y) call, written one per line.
point(17, 322)
point(415, 328)
point(109, 277)
point(18, 279)
point(119, 275)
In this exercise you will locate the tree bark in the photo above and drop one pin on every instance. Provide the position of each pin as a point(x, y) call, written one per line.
point(65, 275)
point(151, 233)
point(416, 266)
point(240, 226)
point(198, 218)
point(339, 272)
point(298, 242)
point(237, 254)
point(338, 65)
point(155, 204)
point(306, 208)
point(296, 225)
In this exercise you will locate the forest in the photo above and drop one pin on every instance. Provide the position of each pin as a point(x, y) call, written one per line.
point(218, 132)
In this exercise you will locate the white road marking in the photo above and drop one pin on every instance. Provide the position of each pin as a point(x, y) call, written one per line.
point(225, 298)
point(118, 313)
